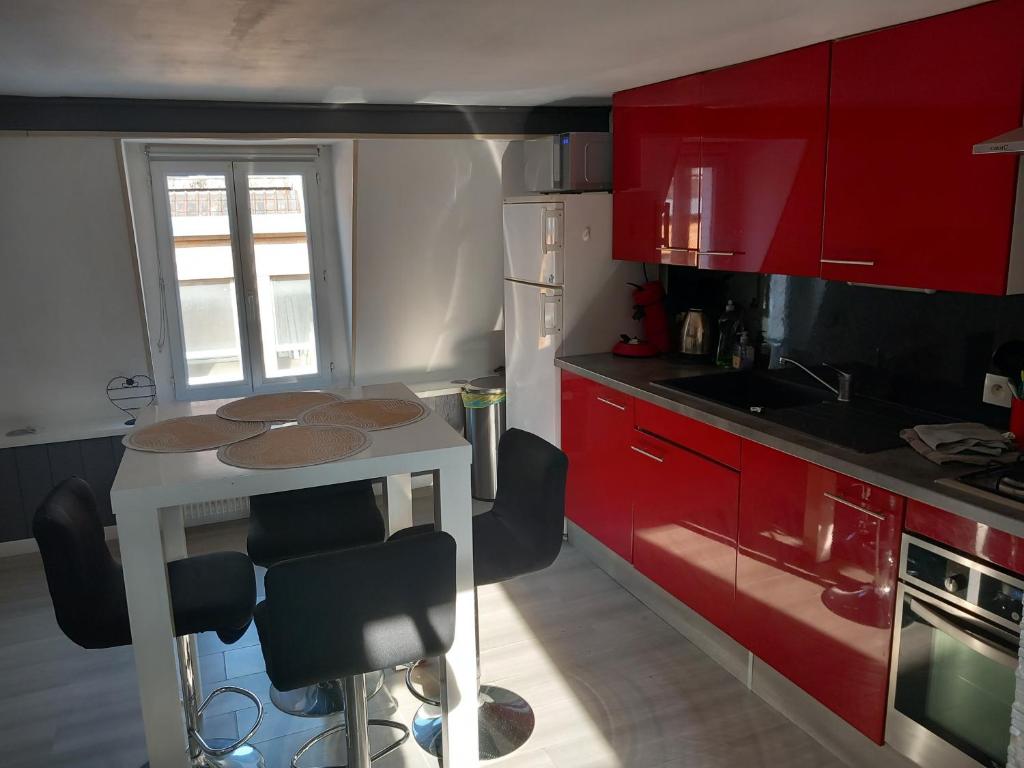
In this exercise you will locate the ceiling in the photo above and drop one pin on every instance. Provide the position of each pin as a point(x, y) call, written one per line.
point(486, 52)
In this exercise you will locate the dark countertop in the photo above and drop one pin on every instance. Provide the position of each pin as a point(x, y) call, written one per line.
point(899, 470)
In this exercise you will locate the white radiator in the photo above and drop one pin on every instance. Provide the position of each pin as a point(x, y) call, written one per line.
point(207, 512)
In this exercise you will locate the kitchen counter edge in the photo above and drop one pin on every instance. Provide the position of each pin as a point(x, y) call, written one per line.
point(899, 470)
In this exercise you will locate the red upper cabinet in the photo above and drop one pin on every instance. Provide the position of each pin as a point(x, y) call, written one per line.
point(763, 163)
point(656, 167)
point(816, 580)
point(907, 203)
point(725, 169)
point(597, 426)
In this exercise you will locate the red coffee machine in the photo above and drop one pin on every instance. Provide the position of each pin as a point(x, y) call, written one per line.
point(649, 309)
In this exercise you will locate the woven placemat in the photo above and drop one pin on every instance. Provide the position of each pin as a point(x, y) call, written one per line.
point(280, 406)
point(296, 445)
point(369, 414)
point(191, 433)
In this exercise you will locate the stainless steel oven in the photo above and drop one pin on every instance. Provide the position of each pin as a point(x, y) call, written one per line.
point(954, 658)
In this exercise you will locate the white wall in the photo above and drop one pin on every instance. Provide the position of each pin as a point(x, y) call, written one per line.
point(428, 259)
point(427, 269)
point(68, 300)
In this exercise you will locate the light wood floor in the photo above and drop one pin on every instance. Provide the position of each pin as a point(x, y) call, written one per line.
point(611, 684)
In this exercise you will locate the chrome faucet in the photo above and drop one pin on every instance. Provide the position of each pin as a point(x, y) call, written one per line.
point(845, 380)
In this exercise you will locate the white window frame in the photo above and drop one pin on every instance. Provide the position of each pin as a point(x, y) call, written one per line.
point(236, 170)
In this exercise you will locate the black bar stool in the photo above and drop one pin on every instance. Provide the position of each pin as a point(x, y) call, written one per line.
point(209, 593)
point(343, 614)
point(520, 534)
point(290, 524)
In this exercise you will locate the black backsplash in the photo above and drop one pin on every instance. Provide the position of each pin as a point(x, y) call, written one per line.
point(930, 351)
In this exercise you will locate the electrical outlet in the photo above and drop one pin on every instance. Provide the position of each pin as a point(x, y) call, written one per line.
point(997, 390)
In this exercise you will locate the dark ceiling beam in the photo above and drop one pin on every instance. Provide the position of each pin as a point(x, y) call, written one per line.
point(22, 113)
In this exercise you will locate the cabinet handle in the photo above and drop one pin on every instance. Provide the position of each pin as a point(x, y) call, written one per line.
point(697, 251)
point(848, 262)
point(642, 452)
point(851, 505)
point(613, 405)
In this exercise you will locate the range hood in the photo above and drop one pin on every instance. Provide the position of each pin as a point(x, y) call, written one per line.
point(1012, 142)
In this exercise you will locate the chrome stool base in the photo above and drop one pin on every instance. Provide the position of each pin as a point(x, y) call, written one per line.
point(320, 700)
point(244, 756)
point(214, 752)
point(356, 729)
point(506, 722)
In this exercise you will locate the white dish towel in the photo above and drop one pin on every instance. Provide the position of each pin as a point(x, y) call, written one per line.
point(967, 437)
point(967, 443)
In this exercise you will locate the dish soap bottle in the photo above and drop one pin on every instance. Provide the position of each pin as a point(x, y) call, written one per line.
point(743, 353)
point(728, 326)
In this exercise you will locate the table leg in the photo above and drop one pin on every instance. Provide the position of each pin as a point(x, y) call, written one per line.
point(142, 546)
point(398, 492)
point(454, 514)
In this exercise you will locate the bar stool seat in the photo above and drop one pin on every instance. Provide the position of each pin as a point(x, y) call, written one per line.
point(209, 593)
point(520, 534)
point(379, 626)
point(291, 524)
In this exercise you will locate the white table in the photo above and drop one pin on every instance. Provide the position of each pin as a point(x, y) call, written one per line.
point(145, 498)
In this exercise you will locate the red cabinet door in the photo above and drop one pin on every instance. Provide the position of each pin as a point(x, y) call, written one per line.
point(763, 163)
point(656, 172)
point(906, 202)
point(684, 526)
point(816, 581)
point(597, 425)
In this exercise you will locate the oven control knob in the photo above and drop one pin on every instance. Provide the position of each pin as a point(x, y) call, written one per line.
point(956, 582)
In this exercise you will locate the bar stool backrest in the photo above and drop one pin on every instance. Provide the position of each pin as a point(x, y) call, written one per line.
point(523, 531)
point(349, 612)
point(85, 582)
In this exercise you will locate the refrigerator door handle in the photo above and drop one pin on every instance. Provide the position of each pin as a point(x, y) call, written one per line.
point(550, 315)
point(551, 229)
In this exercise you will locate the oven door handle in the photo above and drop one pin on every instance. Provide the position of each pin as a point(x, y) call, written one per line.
point(993, 651)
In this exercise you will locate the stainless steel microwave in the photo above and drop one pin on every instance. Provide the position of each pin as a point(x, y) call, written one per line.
point(568, 162)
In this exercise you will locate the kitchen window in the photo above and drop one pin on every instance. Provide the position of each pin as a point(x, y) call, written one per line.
point(242, 275)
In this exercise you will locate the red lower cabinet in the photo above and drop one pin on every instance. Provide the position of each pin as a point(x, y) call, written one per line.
point(684, 526)
point(816, 581)
point(597, 425)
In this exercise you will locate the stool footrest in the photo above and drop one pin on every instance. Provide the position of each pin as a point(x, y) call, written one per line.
point(403, 729)
point(228, 749)
point(412, 688)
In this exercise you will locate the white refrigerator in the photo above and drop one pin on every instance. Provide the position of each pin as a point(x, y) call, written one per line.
point(564, 295)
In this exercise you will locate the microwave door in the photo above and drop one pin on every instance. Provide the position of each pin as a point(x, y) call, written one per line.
point(533, 235)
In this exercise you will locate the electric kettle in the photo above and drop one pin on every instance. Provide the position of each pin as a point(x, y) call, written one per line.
point(695, 333)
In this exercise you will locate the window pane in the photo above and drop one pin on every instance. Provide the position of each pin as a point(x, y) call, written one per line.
point(206, 278)
point(277, 204)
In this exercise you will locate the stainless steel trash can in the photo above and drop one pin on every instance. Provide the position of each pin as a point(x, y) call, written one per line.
point(484, 399)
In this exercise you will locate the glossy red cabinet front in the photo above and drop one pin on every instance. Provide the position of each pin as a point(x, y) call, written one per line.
point(724, 169)
point(763, 163)
point(597, 426)
point(656, 171)
point(684, 526)
point(907, 203)
point(816, 580)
